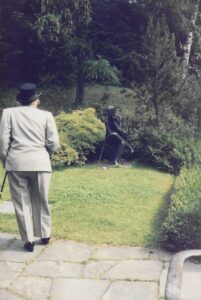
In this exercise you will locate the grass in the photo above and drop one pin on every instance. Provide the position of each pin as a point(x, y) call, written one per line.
point(5, 194)
point(106, 205)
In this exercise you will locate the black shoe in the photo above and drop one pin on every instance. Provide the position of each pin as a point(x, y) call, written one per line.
point(45, 241)
point(29, 246)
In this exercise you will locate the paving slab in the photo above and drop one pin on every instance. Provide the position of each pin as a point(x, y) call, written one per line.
point(16, 253)
point(7, 295)
point(8, 272)
point(67, 251)
point(5, 240)
point(54, 269)
point(78, 289)
point(123, 290)
point(135, 270)
point(7, 208)
point(158, 254)
point(121, 252)
point(31, 288)
point(95, 269)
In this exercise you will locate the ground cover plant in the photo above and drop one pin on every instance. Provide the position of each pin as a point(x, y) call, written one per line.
point(98, 204)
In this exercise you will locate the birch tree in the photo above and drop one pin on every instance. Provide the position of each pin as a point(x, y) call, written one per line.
point(189, 40)
point(181, 17)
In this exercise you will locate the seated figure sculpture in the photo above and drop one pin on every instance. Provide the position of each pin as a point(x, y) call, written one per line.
point(115, 136)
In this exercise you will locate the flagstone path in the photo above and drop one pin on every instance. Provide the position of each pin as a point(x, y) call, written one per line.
point(69, 270)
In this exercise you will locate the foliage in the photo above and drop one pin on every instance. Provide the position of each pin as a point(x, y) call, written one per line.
point(100, 70)
point(166, 152)
point(157, 149)
point(80, 132)
point(189, 151)
point(116, 31)
point(59, 19)
point(182, 227)
point(105, 205)
point(19, 43)
point(189, 110)
point(158, 67)
point(66, 155)
point(62, 24)
point(47, 27)
point(177, 13)
point(73, 42)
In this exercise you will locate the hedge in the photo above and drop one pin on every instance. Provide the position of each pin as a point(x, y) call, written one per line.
point(182, 228)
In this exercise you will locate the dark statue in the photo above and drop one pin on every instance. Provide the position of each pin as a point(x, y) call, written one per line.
point(115, 136)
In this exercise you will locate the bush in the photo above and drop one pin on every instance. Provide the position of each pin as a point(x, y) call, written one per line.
point(80, 132)
point(182, 227)
point(161, 150)
point(189, 151)
point(157, 150)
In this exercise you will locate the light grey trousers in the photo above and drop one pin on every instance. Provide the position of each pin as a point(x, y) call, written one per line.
point(29, 192)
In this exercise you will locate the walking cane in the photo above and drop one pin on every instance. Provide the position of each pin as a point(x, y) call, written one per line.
point(102, 151)
point(2, 187)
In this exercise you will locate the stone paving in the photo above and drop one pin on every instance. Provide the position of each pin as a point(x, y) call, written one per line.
point(68, 270)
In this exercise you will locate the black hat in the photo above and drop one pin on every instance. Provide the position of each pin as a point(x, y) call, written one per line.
point(28, 93)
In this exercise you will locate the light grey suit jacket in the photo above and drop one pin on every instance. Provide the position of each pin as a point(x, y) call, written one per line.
point(28, 136)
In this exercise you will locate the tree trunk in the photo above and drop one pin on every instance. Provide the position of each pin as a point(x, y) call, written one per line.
point(189, 42)
point(79, 90)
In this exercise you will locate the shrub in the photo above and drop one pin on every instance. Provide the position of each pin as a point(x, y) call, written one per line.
point(189, 151)
point(157, 149)
point(182, 228)
point(161, 150)
point(80, 132)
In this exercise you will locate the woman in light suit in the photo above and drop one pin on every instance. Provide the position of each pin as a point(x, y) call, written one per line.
point(28, 136)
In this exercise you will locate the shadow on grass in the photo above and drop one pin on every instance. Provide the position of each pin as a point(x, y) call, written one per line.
point(155, 238)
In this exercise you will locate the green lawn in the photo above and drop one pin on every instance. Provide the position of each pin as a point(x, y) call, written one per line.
point(106, 205)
